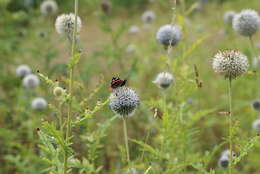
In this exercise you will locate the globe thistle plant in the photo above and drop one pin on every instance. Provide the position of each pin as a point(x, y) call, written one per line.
point(256, 125)
point(228, 16)
point(39, 103)
point(256, 105)
point(65, 25)
point(164, 80)
point(168, 35)
point(124, 101)
point(49, 7)
point(227, 153)
point(148, 16)
point(31, 81)
point(133, 30)
point(246, 23)
point(23, 70)
point(230, 64)
point(58, 91)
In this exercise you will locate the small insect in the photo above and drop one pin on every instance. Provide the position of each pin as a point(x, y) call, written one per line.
point(157, 113)
point(117, 82)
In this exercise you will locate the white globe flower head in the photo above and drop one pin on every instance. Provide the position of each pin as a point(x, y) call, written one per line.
point(39, 103)
point(246, 23)
point(168, 35)
point(49, 7)
point(124, 101)
point(23, 70)
point(31, 81)
point(256, 125)
point(228, 16)
point(133, 30)
point(164, 80)
point(65, 25)
point(148, 16)
point(230, 64)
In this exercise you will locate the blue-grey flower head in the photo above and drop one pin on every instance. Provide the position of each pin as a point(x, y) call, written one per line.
point(65, 25)
point(23, 70)
point(223, 162)
point(124, 101)
point(256, 125)
point(246, 23)
point(164, 80)
point(31, 81)
point(133, 30)
point(256, 105)
point(168, 35)
point(39, 103)
point(230, 64)
point(229, 16)
point(148, 16)
point(49, 7)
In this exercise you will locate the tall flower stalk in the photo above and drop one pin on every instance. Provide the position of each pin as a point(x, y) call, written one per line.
point(126, 141)
point(230, 124)
point(230, 64)
point(71, 72)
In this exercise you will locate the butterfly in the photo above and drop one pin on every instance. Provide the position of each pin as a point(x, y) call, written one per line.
point(117, 82)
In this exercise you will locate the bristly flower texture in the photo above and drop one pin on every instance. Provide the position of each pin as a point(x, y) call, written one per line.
point(168, 35)
point(124, 101)
point(164, 80)
point(230, 64)
point(229, 16)
point(65, 25)
point(23, 70)
point(256, 125)
point(31, 81)
point(148, 16)
point(246, 23)
point(49, 7)
point(39, 103)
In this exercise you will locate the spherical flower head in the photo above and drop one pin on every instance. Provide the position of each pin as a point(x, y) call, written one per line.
point(133, 30)
point(246, 23)
point(223, 161)
point(58, 91)
point(123, 101)
point(164, 80)
point(23, 70)
point(256, 105)
point(168, 35)
point(39, 103)
point(148, 16)
point(49, 7)
point(256, 125)
point(230, 64)
point(228, 16)
point(65, 24)
point(31, 81)
point(131, 48)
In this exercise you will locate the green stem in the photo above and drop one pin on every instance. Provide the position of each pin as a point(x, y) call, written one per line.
point(230, 125)
point(126, 141)
point(73, 47)
point(60, 119)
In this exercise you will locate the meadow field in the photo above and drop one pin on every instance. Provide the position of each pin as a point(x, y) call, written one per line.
point(129, 86)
